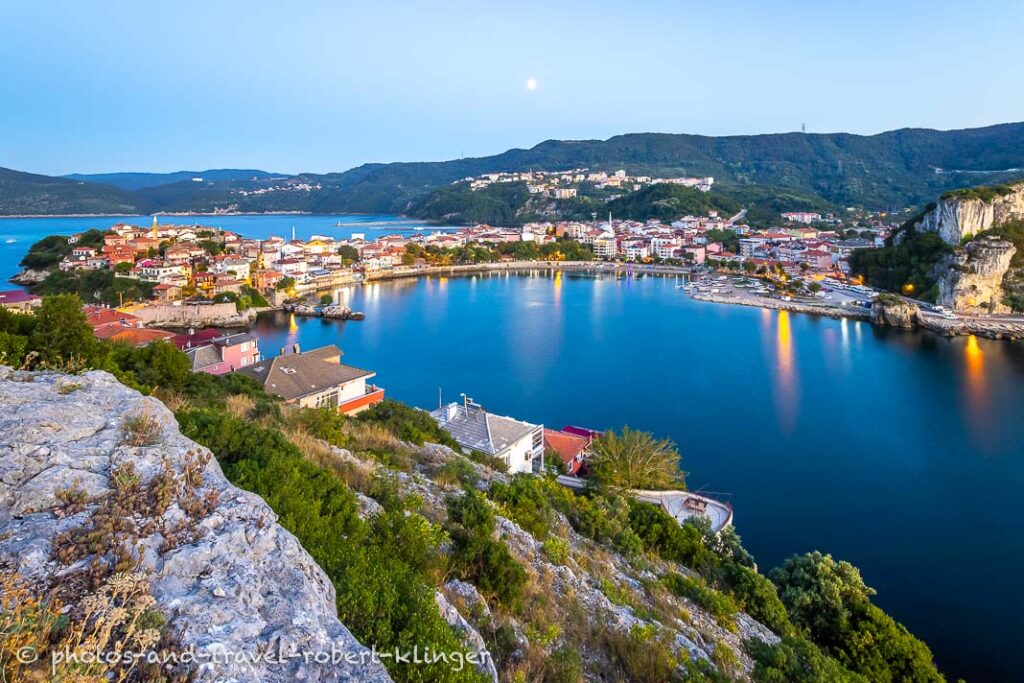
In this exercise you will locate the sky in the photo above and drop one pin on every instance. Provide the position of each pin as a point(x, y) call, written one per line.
point(101, 86)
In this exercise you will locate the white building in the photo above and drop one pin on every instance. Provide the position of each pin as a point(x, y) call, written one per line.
point(518, 444)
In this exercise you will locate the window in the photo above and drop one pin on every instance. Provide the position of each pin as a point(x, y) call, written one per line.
point(328, 400)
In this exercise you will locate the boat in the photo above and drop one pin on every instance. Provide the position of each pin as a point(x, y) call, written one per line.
point(10, 241)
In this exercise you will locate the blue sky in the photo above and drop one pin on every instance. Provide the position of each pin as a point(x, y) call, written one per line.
point(325, 86)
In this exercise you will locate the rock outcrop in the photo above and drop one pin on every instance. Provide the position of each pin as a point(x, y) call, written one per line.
point(957, 217)
point(971, 278)
point(237, 589)
point(29, 277)
point(895, 311)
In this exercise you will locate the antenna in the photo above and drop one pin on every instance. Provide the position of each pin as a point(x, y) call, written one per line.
point(440, 403)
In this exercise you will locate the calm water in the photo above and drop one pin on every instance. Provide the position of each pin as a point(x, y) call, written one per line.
point(901, 452)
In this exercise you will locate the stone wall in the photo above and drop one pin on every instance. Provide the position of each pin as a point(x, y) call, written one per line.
point(194, 315)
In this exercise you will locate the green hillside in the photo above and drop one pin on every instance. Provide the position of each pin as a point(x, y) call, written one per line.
point(31, 194)
point(767, 173)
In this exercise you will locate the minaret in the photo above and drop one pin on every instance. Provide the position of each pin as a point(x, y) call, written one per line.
point(155, 226)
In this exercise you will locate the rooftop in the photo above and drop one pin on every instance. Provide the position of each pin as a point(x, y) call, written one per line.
point(476, 429)
point(295, 375)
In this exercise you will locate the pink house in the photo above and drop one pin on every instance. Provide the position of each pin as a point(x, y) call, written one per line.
point(224, 354)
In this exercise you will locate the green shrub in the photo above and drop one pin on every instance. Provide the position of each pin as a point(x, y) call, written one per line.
point(525, 498)
point(796, 660)
point(557, 549)
point(829, 602)
point(661, 533)
point(479, 558)
point(407, 423)
point(758, 597)
point(716, 603)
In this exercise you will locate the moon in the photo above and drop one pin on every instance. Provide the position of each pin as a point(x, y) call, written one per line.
point(531, 83)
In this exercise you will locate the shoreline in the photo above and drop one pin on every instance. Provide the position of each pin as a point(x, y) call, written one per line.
point(517, 266)
point(1001, 330)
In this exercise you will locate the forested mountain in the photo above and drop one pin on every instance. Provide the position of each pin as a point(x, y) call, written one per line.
point(778, 171)
point(28, 193)
point(137, 181)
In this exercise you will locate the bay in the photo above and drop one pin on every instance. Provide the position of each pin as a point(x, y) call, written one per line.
point(902, 452)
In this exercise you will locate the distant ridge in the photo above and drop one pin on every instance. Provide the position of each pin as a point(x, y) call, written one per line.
point(129, 181)
point(892, 170)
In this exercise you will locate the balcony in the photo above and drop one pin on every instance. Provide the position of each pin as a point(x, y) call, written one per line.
point(373, 394)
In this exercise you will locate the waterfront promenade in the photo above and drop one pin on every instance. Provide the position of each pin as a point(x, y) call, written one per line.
point(528, 266)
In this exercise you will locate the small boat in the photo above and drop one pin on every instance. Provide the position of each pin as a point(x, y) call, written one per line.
point(10, 241)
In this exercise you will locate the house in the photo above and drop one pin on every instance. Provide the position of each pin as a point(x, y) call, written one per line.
point(317, 379)
point(134, 336)
point(572, 449)
point(167, 292)
point(223, 354)
point(18, 300)
point(518, 444)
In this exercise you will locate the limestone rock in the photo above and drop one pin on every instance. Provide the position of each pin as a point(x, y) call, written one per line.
point(955, 218)
point(243, 585)
point(971, 278)
point(895, 311)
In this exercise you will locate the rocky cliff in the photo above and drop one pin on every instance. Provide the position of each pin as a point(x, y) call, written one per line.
point(971, 278)
point(91, 470)
point(895, 311)
point(963, 215)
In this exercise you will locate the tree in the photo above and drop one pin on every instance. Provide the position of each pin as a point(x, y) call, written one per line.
point(326, 299)
point(348, 253)
point(829, 602)
point(635, 460)
point(62, 336)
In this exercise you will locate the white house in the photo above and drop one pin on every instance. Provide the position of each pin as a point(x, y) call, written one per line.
point(520, 445)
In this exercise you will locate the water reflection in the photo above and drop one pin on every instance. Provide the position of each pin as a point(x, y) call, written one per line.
point(976, 393)
point(784, 389)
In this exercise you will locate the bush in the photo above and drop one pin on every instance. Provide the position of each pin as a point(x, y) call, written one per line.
point(526, 501)
point(718, 604)
point(407, 423)
point(829, 602)
point(796, 660)
point(557, 549)
point(661, 533)
point(479, 558)
point(758, 597)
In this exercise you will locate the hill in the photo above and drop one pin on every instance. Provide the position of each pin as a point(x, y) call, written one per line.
point(136, 181)
point(404, 542)
point(787, 171)
point(31, 194)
